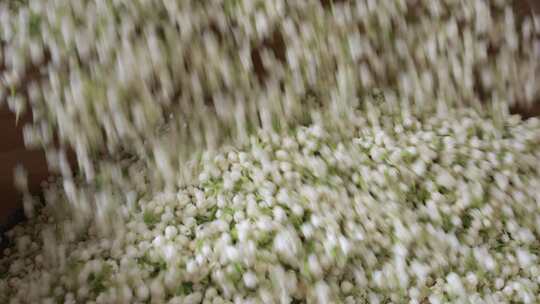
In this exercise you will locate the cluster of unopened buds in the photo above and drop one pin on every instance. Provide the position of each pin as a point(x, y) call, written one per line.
point(280, 151)
point(444, 209)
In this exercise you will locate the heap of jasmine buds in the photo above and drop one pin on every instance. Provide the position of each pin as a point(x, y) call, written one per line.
point(237, 151)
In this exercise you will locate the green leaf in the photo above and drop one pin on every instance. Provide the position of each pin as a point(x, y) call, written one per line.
point(266, 211)
point(213, 187)
point(228, 210)
point(276, 123)
point(470, 263)
point(447, 223)
point(408, 157)
point(236, 275)
point(199, 244)
point(158, 266)
point(155, 266)
point(184, 289)
point(150, 218)
point(461, 160)
point(97, 281)
point(34, 24)
point(201, 219)
point(238, 267)
point(205, 281)
point(305, 271)
point(296, 221)
point(334, 252)
point(310, 247)
point(423, 194)
point(234, 234)
point(265, 240)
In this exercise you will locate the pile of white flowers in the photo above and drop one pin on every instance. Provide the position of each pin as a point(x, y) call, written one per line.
point(441, 210)
point(238, 151)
